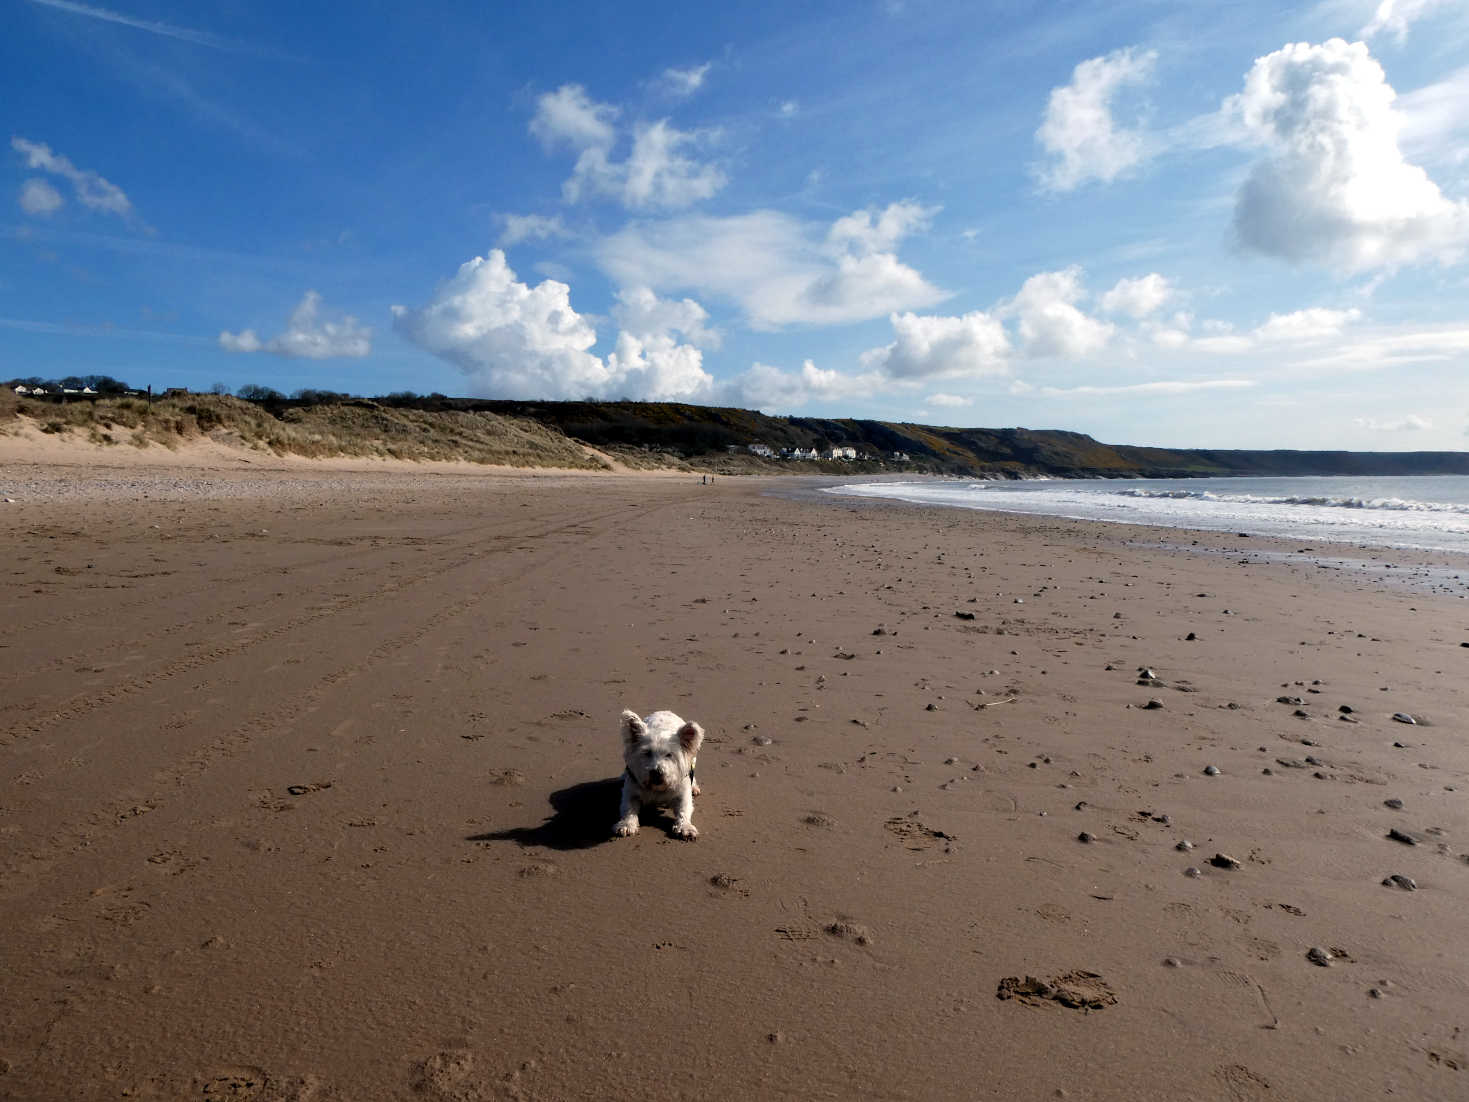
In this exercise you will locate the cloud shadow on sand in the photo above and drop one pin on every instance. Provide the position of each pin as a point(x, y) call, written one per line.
point(582, 816)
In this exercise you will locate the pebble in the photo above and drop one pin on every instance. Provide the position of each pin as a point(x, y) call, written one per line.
point(1407, 883)
point(1147, 674)
point(1399, 836)
point(1193, 872)
point(1211, 771)
point(1374, 993)
point(1184, 846)
point(1223, 861)
point(1153, 705)
point(1172, 962)
point(762, 740)
point(1190, 637)
point(1394, 803)
point(1086, 836)
point(1346, 709)
point(1318, 955)
point(1404, 717)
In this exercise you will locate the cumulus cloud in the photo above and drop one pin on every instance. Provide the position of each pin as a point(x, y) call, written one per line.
point(530, 227)
point(569, 117)
point(657, 172)
point(1316, 323)
point(1334, 187)
point(1137, 297)
point(1396, 16)
point(1079, 133)
point(1050, 324)
point(518, 341)
point(91, 190)
point(39, 197)
point(639, 310)
point(951, 401)
point(309, 334)
point(772, 389)
point(942, 347)
point(779, 269)
point(1410, 423)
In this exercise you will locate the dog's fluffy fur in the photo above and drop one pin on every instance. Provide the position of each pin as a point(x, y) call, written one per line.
point(659, 752)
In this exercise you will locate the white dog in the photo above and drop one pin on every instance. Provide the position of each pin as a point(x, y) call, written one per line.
point(659, 752)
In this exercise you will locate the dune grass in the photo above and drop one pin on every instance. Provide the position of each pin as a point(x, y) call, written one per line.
point(356, 428)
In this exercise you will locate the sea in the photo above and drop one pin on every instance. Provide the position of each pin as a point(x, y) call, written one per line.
point(1425, 512)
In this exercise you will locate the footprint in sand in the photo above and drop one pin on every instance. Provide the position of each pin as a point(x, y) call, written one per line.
point(1076, 990)
point(450, 1076)
point(1242, 1084)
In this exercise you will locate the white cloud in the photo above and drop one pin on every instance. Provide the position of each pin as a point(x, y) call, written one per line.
point(772, 390)
point(942, 347)
point(91, 190)
point(1316, 323)
point(39, 197)
point(1160, 387)
point(1138, 297)
point(657, 174)
point(1334, 188)
point(245, 340)
point(1050, 323)
point(1079, 132)
point(879, 231)
point(788, 109)
point(1226, 345)
point(568, 116)
point(642, 312)
point(1396, 16)
point(530, 227)
point(1411, 423)
point(518, 341)
point(952, 401)
point(685, 82)
point(780, 270)
point(309, 334)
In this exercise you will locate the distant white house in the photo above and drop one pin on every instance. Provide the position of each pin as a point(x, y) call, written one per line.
point(763, 450)
point(805, 453)
point(842, 452)
point(21, 388)
point(902, 457)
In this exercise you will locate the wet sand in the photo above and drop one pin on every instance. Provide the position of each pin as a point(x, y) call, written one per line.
point(309, 775)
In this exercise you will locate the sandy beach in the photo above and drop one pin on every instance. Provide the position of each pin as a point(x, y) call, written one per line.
point(309, 773)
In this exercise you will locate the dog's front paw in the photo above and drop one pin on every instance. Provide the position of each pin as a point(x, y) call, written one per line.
point(626, 827)
point(697, 791)
point(687, 831)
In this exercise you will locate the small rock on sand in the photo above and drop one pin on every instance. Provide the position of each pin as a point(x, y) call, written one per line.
point(1184, 846)
point(1211, 771)
point(1404, 717)
point(1086, 836)
point(1153, 705)
point(1319, 956)
point(1193, 872)
point(1402, 836)
point(1394, 803)
point(1224, 861)
point(1407, 883)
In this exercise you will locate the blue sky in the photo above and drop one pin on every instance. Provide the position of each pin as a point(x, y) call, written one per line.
point(1173, 223)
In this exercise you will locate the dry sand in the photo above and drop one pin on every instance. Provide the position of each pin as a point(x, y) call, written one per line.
point(309, 774)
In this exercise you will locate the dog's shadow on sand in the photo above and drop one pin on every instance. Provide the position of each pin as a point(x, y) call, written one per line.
point(581, 817)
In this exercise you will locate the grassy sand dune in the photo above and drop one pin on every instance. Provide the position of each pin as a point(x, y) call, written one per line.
point(358, 429)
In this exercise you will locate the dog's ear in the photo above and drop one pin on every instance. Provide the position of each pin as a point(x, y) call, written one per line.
point(690, 735)
point(633, 727)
